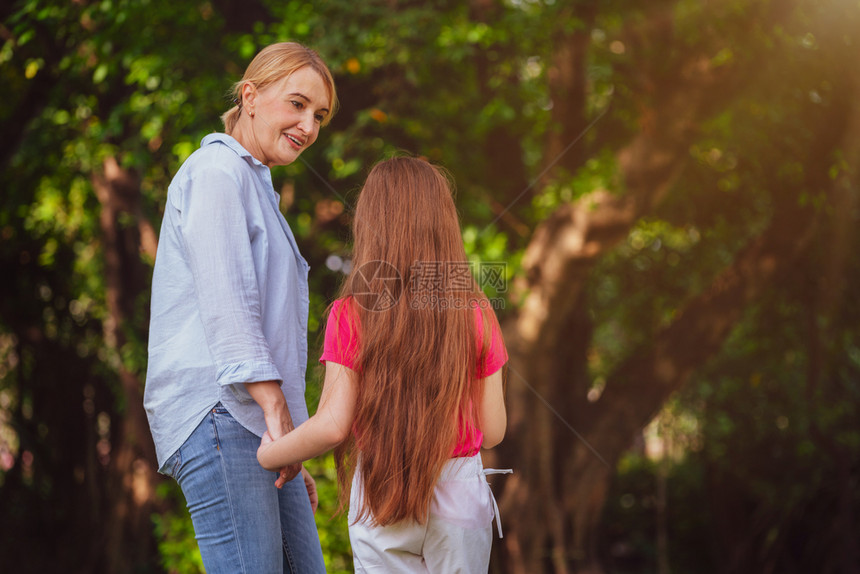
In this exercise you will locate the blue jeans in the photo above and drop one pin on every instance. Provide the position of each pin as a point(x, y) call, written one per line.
point(241, 521)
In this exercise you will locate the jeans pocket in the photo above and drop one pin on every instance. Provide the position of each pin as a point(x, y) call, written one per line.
point(223, 417)
point(220, 409)
point(171, 465)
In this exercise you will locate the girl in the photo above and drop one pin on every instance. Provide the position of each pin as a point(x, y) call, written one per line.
point(413, 384)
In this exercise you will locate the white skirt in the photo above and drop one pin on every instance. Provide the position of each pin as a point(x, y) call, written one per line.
point(456, 538)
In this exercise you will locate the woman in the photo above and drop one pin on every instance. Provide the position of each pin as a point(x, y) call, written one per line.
point(228, 334)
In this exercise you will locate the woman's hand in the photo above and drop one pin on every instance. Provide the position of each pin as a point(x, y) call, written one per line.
point(264, 443)
point(329, 426)
point(268, 395)
point(311, 487)
point(286, 473)
point(310, 484)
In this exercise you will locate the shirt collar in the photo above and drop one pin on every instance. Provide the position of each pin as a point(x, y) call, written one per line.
point(231, 143)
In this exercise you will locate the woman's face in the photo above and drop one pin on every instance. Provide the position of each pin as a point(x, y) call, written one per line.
point(285, 116)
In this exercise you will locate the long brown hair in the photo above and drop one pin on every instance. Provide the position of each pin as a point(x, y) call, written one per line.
point(417, 356)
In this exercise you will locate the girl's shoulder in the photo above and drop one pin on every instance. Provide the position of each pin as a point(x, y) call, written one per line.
point(342, 314)
point(486, 315)
point(495, 354)
point(341, 335)
point(342, 306)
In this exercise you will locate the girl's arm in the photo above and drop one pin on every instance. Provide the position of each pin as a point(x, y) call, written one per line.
point(329, 426)
point(493, 417)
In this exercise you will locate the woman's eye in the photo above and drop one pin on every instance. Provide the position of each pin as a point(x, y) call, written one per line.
point(298, 105)
point(319, 118)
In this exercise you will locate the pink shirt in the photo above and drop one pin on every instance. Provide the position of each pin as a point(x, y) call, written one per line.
point(341, 347)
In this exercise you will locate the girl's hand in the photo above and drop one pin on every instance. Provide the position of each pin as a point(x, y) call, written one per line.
point(286, 474)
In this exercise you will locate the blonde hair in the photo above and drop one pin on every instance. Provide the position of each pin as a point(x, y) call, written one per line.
point(273, 64)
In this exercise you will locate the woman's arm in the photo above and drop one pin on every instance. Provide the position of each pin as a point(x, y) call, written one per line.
point(493, 417)
point(276, 412)
point(329, 426)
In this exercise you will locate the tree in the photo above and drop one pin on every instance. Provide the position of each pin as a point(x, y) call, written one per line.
point(685, 90)
point(652, 174)
point(99, 97)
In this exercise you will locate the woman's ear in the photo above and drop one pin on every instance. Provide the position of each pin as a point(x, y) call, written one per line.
point(249, 96)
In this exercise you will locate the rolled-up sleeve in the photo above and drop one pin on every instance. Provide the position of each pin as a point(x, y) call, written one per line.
point(217, 238)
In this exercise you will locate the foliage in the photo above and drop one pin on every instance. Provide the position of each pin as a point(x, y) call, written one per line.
point(464, 84)
point(773, 446)
point(177, 545)
point(629, 532)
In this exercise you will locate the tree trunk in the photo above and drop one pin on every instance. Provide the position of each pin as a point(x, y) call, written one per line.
point(501, 145)
point(557, 264)
point(827, 299)
point(567, 80)
point(558, 491)
point(633, 395)
point(129, 540)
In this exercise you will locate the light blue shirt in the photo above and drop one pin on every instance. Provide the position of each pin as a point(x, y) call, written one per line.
point(229, 297)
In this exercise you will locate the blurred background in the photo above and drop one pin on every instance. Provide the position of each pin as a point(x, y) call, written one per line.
point(661, 196)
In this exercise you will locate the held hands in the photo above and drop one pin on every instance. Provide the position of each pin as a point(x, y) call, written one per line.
point(285, 473)
point(264, 443)
point(310, 484)
point(268, 395)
